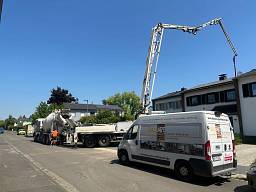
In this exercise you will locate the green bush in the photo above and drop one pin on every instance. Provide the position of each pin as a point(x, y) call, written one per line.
point(103, 117)
point(238, 139)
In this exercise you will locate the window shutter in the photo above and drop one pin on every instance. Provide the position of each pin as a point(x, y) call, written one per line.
point(246, 92)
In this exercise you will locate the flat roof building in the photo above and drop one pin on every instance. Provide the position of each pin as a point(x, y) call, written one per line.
point(80, 110)
point(234, 96)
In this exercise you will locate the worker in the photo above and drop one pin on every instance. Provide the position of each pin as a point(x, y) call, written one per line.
point(54, 136)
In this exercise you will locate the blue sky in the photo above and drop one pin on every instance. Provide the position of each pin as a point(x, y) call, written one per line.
point(97, 48)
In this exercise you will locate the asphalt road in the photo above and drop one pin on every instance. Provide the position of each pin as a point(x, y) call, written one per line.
point(33, 167)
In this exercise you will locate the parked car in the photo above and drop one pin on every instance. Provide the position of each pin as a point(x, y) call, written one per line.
point(1, 130)
point(21, 132)
point(251, 176)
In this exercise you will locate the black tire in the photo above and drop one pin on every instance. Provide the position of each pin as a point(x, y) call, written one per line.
point(44, 140)
point(89, 141)
point(183, 171)
point(123, 157)
point(104, 141)
point(48, 140)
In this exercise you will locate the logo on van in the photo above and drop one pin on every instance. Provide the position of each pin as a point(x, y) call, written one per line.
point(218, 131)
point(160, 132)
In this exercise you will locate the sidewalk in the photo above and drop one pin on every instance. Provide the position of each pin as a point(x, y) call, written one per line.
point(246, 154)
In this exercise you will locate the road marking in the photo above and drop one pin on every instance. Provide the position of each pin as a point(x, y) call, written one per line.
point(106, 149)
point(63, 183)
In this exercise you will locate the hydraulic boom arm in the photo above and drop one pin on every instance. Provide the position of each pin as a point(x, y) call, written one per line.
point(154, 51)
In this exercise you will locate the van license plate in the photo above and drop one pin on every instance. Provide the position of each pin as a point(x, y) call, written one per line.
point(216, 158)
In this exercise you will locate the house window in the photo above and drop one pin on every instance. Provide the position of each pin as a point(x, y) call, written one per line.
point(194, 100)
point(249, 89)
point(231, 95)
point(254, 89)
point(162, 106)
point(211, 98)
point(174, 105)
point(178, 104)
point(222, 96)
point(246, 92)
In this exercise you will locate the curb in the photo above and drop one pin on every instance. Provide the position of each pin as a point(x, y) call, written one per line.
point(239, 176)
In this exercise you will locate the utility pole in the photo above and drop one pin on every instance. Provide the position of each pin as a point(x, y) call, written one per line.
point(86, 107)
point(1, 8)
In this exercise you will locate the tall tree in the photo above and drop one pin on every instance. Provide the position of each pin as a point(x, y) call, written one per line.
point(43, 110)
point(2, 123)
point(128, 101)
point(10, 121)
point(60, 96)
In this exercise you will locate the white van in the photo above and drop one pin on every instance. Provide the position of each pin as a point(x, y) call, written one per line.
point(200, 143)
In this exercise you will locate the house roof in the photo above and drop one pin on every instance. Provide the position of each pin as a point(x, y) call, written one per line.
point(206, 85)
point(76, 106)
point(211, 84)
point(252, 72)
point(168, 95)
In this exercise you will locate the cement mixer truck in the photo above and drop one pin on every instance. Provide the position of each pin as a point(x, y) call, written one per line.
point(58, 120)
point(70, 133)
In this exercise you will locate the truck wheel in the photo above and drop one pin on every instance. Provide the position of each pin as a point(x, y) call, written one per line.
point(48, 140)
point(44, 139)
point(104, 141)
point(123, 157)
point(89, 141)
point(183, 171)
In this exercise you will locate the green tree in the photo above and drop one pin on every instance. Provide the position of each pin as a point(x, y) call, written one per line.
point(10, 121)
point(43, 110)
point(128, 101)
point(60, 96)
point(103, 117)
point(2, 123)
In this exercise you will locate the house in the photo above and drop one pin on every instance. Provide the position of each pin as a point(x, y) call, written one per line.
point(234, 96)
point(80, 110)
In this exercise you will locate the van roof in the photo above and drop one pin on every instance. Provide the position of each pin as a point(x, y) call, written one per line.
point(189, 112)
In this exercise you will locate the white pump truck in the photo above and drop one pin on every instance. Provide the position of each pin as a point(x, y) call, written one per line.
point(190, 143)
point(154, 51)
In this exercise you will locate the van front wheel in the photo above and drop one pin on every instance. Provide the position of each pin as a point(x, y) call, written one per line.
point(123, 157)
point(183, 171)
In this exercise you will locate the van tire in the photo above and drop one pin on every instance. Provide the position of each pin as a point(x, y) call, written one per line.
point(89, 141)
point(123, 157)
point(183, 171)
point(104, 141)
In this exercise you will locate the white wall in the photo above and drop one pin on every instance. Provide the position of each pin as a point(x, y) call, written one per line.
point(248, 108)
point(235, 123)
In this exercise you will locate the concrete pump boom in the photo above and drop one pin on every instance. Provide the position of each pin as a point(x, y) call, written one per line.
point(154, 51)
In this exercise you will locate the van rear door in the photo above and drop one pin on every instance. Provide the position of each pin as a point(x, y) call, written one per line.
point(227, 145)
point(214, 136)
point(220, 137)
